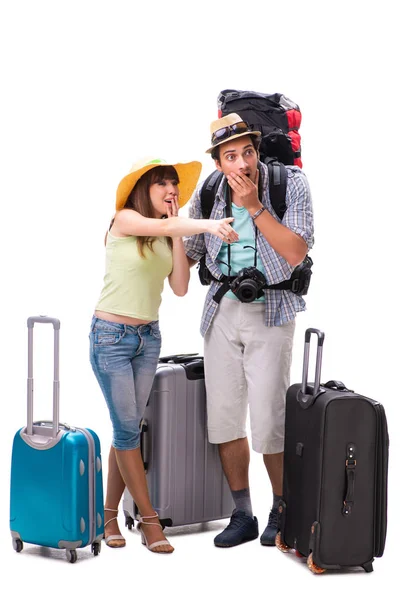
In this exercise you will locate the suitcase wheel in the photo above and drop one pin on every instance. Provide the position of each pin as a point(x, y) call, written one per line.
point(96, 548)
point(313, 567)
point(71, 555)
point(280, 544)
point(17, 545)
point(129, 522)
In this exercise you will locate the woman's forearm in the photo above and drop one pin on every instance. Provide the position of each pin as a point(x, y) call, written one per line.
point(182, 226)
point(179, 277)
point(129, 222)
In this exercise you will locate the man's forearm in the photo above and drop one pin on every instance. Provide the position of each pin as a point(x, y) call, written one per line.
point(284, 241)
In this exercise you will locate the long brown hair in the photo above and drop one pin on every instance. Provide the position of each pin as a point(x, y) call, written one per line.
point(139, 200)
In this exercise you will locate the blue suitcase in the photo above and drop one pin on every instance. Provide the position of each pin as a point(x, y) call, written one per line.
point(56, 497)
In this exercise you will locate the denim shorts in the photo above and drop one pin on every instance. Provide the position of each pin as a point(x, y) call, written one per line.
point(124, 359)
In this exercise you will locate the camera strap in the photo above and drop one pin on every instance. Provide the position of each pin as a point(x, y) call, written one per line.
point(228, 211)
point(227, 279)
point(294, 284)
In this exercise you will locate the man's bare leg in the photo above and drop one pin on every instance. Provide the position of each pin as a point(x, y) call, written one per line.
point(243, 526)
point(235, 459)
point(274, 466)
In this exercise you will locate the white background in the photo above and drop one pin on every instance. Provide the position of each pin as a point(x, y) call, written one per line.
point(89, 87)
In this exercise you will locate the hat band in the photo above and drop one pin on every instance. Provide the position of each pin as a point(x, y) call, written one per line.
point(226, 132)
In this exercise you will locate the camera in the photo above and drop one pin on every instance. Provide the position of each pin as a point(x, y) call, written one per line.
point(248, 284)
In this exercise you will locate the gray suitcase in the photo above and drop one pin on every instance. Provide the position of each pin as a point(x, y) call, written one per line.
point(184, 472)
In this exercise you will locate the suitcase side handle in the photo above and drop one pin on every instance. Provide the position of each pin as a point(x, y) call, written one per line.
point(56, 383)
point(144, 443)
point(303, 398)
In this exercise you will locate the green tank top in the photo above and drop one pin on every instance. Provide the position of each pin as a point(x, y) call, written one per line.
point(133, 284)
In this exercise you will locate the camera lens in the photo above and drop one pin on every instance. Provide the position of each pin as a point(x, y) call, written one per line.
point(247, 291)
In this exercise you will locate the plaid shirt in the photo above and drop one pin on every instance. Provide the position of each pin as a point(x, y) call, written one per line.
point(281, 306)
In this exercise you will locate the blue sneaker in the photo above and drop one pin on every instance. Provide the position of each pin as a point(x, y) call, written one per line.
point(241, 528)
point(269, 535)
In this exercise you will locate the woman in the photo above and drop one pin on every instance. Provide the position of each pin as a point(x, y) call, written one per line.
point(142, 249)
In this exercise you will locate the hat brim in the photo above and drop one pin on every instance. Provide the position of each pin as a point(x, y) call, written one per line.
point(188, 174)
point(233, 137)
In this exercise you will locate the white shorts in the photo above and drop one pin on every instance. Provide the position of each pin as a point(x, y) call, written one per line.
point(247, 363)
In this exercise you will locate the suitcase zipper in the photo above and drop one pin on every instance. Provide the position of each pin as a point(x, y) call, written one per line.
point(381, 481)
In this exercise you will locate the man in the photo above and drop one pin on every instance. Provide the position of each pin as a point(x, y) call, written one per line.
point(248, 345)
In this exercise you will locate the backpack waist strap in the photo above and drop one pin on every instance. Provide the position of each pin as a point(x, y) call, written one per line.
point(292, 285)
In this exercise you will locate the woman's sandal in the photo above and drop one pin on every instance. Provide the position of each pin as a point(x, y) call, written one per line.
point(154, 544)
point(116, 538)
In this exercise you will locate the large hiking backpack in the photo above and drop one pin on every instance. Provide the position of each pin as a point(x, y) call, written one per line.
point(278, 118)
point(275, 115)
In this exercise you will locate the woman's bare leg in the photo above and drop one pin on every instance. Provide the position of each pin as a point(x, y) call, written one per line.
point(130, 465)
point(115, 489)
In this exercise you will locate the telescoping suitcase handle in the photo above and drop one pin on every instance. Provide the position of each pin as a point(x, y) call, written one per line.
point(56, 383)
point(303, 397)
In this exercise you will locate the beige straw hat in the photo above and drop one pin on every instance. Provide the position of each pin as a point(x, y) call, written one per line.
point(229, 128)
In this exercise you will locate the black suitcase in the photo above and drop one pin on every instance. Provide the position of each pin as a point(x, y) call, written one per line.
point(333, 509)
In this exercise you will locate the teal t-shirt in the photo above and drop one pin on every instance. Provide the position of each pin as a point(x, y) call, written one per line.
point(240, 256)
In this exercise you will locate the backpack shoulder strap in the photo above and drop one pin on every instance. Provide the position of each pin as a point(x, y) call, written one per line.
point(277, 175)
point(208, 191)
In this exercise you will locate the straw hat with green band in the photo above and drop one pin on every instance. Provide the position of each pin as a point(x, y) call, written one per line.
point(188, 174)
